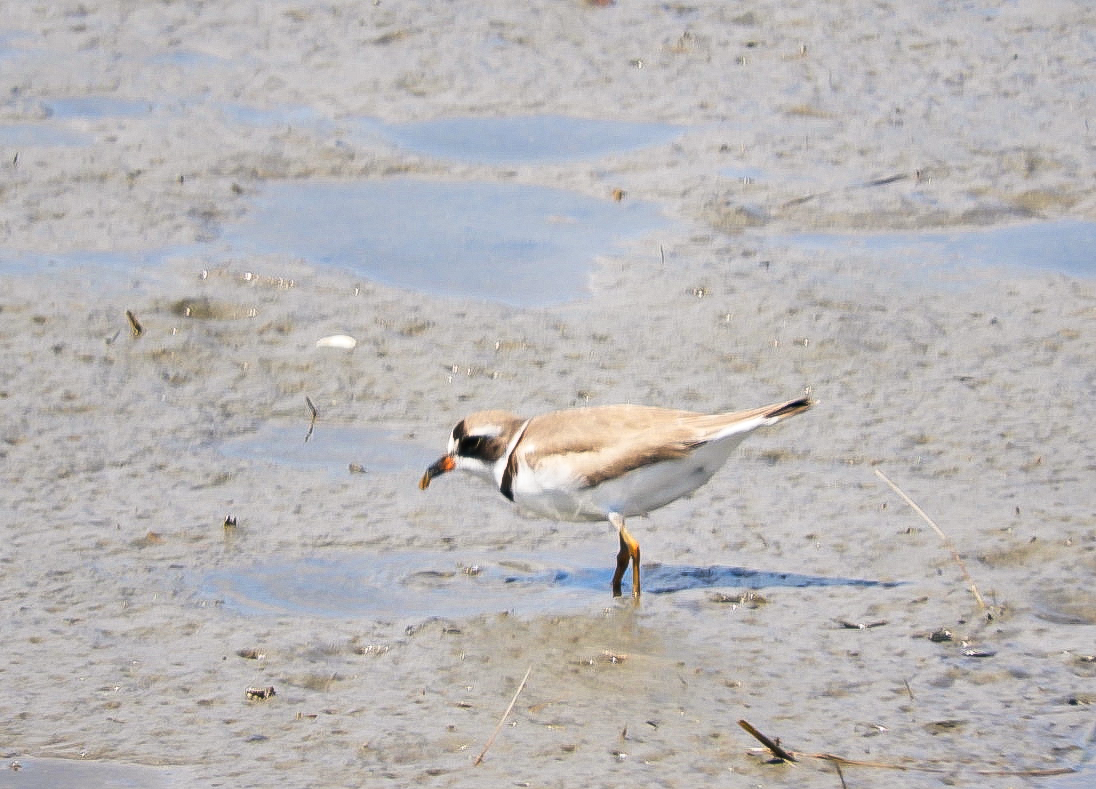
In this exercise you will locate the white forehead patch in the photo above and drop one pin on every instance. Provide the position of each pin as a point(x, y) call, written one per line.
point(484, 430)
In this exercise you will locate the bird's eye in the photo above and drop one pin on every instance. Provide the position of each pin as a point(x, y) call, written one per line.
point(472, 446)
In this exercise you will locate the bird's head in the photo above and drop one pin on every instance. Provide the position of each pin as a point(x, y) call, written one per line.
point(477, 444)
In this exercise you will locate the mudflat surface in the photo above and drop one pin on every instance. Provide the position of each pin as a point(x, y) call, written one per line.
point(891, 204)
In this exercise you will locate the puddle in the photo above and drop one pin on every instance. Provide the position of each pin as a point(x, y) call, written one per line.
point(15, 43)
point(521, 245)
point(187, 58)
point(460, 583)
point(1067, 246)
point(36, 773)
point(30, 135)
point(52, 132)
point(96, 269)
point(301, 117)
point(529, 139)
point(331, 448)
point(521, 139)
point(400, 585)
point(97, 107)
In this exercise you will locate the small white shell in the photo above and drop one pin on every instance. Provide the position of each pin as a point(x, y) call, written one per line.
point(337, 341)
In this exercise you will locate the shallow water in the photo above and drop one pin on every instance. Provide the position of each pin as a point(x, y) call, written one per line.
point(18, 135)
point(404, 585)
point(1068, 246)
point(507, 140)
point(300, 117)
point(523, 139)
point(374, 449)
point(97, 108)
point(516, 244)
point(464, 583)
point(521, 245)
point(38, 773)
point(54, 130)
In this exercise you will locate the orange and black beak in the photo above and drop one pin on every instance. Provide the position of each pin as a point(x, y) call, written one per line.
point(443, 465)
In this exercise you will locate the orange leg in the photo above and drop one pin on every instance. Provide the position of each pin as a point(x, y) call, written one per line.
point(622, 564)
point(629, 552)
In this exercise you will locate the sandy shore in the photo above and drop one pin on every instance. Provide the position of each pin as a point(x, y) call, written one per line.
point(395, 626)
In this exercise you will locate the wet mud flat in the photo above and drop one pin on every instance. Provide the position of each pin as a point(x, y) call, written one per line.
point(203, 501)
point(796, 591)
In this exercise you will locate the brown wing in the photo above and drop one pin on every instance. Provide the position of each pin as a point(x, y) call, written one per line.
point(603, 442)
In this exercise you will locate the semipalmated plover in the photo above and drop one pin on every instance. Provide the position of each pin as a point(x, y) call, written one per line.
point(606, 462)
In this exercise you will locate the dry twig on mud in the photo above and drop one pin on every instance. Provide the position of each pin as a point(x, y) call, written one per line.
point(783, 754)
point(940, 533)
point(502, 720)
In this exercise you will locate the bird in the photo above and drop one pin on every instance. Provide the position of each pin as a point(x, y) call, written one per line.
point(608, 462)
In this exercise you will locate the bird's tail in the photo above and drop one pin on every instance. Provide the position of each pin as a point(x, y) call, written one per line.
point(777, 412)
point(723, 426)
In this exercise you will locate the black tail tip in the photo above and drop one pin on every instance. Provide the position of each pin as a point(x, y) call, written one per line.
point(793, 407)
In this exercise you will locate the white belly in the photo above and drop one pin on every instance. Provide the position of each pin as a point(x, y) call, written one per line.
point(635, 493)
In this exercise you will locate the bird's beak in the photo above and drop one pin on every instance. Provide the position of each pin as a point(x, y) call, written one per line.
point(443, 465)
